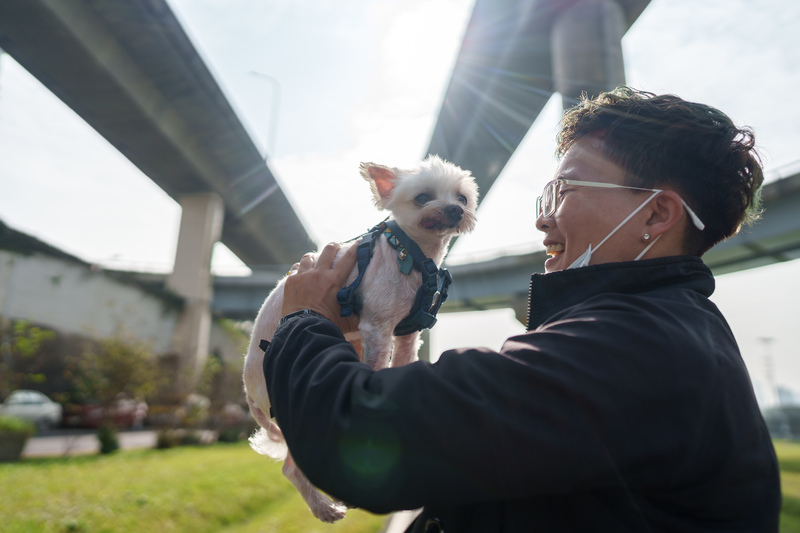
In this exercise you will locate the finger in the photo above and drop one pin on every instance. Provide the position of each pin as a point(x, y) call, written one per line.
point(328, 254)
point(306, 262)
point(346, 263)
point(294, 269)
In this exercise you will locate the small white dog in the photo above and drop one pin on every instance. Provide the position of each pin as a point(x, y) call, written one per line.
point(431, 204)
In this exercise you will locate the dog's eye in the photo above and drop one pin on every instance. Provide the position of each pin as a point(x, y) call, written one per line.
point(423, 198)
point(462, 199)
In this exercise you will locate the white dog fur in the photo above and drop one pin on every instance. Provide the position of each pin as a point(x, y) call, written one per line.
point(431, 203)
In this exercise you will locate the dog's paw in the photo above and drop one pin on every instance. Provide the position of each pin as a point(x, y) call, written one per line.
point(344, 504)
point(328, 511)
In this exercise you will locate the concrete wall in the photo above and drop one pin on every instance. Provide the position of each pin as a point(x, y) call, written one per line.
point(74, 298)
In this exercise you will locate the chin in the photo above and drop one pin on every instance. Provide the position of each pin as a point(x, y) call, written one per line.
point(554, 263)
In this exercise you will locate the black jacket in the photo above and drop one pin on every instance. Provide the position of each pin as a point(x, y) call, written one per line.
point(625, 407)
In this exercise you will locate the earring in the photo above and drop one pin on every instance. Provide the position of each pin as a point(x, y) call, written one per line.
point(646, 236)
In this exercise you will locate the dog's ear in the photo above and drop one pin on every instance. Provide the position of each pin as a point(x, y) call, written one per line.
point(381, 180)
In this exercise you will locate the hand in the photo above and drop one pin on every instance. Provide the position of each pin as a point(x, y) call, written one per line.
point(314, 286)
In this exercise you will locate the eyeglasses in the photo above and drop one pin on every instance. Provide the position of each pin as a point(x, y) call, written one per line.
point(547, 203)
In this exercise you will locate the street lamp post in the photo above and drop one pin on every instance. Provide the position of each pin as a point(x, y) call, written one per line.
point(276, 102)
point(767, 342)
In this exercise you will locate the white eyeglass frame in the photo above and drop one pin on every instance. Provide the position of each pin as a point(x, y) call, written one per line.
point(602, 185)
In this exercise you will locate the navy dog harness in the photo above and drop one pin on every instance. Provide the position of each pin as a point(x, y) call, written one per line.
point(431, 294)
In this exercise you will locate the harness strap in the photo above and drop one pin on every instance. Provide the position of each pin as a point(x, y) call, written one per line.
point(431, 294)
point(430, 297)
point(346, 296)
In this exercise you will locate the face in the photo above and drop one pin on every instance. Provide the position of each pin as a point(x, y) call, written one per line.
point(437, 200)
point(586, 215)
point(434, 201)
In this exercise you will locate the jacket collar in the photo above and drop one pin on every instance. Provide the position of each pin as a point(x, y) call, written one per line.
point(556, 291)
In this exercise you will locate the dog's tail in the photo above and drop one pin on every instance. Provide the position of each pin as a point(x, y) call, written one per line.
point(268, 439)
point(267, 442)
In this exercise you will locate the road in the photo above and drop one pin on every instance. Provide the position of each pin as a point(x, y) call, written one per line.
point(79, 442)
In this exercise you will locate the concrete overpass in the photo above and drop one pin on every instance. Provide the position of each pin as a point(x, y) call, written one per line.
point(515, 54)
point(130, 71)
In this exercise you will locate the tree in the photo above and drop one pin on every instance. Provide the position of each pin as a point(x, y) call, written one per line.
point(20, 347)
point(110, 369)
point(115, 366)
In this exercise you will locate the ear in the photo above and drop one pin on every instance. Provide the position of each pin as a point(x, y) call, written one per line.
point(381, 180)
point(666, 213)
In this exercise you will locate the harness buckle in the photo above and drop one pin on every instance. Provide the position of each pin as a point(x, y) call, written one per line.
point(429, 270)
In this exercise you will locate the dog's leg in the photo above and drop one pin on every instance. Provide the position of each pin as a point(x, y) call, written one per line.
point(405, 349)
point(376, 344)
point(321, 506)
point(354, 338)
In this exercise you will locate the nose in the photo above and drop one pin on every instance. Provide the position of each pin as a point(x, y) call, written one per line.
point(544, 223)
point(453, 212)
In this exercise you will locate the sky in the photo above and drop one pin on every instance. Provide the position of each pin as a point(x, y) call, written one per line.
point(322, 85)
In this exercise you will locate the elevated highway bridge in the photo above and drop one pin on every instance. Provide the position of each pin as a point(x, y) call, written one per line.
point(131, 72)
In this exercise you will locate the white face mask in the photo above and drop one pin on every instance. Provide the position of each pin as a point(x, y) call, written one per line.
point(586, 256)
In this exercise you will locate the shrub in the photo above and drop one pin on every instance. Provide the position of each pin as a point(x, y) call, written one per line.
point(109, 440)
point(12, 424)
point(231, 435)
point(167, 438)
point(13, 435)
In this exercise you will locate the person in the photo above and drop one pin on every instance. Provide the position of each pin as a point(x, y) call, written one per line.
point(626, 405)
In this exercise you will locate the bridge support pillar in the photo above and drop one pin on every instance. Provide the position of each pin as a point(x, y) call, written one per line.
point(587, 49)
point(201, 227)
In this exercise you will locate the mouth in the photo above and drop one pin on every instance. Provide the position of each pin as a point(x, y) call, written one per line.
point(554, 249)
point(445, 219)
point(437, 224)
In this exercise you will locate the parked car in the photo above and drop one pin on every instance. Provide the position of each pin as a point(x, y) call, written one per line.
point(125, 413)
point(34, 407)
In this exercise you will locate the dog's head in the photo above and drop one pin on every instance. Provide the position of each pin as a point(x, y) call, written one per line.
point(436, 200)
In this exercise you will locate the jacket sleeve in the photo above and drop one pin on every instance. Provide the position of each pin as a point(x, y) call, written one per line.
point(575, 405)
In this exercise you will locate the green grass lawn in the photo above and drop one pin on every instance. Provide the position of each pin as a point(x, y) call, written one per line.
point(789, 460)
point(221, 488)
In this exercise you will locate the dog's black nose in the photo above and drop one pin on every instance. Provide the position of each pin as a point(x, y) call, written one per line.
point(454, 212)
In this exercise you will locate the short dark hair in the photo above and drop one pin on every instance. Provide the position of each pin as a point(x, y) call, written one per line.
point(665, 142)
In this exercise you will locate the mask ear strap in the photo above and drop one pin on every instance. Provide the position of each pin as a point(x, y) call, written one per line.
point(656, 191)
point(646, 248)
point(693, 216)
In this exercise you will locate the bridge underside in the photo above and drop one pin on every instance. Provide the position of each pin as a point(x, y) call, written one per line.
point(129, 70)
point(515, 54)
